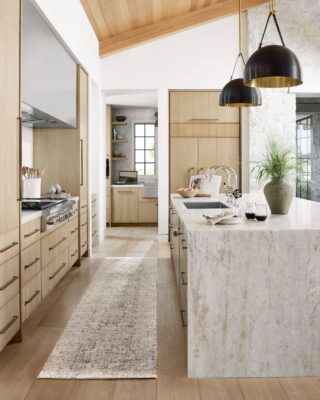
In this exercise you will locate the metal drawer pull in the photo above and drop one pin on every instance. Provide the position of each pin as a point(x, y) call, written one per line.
point(84, 244)
point(184, 246)
point(13, 279)
point(57, 271)
point(4, 330)
point(32, 263)
point(57, 244)
point(74, 231)
point(184, 325)
point(8, 247)
point(93, 201)
point(94, 216)
point(94, 233)
point(73, 254)
point(31, 233)
point(84, 224)
point(171, 246)
point(85, 206)
point(182, 278)
point(35, 294)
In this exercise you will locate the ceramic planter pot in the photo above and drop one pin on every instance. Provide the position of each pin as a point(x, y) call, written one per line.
point(279, 194)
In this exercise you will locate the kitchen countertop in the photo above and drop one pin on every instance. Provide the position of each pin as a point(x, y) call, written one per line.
point(134, 185)
point(303, 214)
point(30, 215)
point(253, 293)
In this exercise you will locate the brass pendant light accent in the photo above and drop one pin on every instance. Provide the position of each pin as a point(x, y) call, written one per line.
point(273, 66)
point(235, 93)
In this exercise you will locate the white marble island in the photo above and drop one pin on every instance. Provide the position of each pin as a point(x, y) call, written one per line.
point(253, 293)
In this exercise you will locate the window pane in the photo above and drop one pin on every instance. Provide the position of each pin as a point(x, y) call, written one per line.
point(139, 168)
point(150, 156)
point(150, 143)
point(139, 156)
point(149, 169)
point(150, 130)
point(139, 129)
point(139, 143)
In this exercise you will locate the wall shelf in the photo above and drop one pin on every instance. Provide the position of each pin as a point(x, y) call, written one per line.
point(119, 123)
point(119, 158)
point(119, 141)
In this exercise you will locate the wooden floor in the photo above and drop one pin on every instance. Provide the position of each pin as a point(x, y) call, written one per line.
point(20, 363)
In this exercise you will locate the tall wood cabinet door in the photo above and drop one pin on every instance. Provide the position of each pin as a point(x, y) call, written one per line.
point(183, 161)
point(181, 104)
point(125, 205)
point(9, 122)
point(83, 127)
point(200, 106)
point(221, 114)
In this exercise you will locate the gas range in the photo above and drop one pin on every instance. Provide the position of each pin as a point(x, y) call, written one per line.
point(54, 211)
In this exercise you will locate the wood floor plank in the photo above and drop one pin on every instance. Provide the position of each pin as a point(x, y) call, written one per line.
point(136, 389)
point(50, 389)
point(262, 389)
point(220, 389)
point(301, 388)
point(93, 389)
point(177, 388)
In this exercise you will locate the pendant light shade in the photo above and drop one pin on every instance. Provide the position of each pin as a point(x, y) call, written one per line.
point(236, 94)
point(273, 67)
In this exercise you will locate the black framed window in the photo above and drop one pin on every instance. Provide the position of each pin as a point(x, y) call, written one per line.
point(303, 147)
point(145, 148)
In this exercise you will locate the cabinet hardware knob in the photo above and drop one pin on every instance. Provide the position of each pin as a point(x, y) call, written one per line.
point(31, 233)
point(10, 282)
point(57, 271)
point(8, 247)
point(32, 263)
point(4, 330)
point(35, 294)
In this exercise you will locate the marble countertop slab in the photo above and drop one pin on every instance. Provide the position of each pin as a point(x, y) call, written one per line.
point(303, 214)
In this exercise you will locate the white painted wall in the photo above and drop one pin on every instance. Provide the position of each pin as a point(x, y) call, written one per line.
point(27, 147)
point(68, 19)
point(199, 58)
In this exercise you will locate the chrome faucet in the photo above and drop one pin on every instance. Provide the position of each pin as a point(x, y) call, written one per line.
point(232, 191)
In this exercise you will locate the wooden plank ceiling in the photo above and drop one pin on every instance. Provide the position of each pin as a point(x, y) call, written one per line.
point(121, 24)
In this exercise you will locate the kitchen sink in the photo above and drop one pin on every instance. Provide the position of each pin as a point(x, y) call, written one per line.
point(204, 205)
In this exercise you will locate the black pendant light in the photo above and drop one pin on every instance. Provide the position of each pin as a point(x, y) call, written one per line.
point(273, 66)
point(235, 93)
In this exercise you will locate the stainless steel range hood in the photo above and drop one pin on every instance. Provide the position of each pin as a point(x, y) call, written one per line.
point(35, 118)
point(48, 74)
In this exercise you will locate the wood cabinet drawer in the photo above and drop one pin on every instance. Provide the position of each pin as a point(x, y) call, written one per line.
point(83, 206)
point(73, 252)
point(30, 232)
point(53, 244)
point(9, 320)
point(30, 262)
point(84, 220)
point(73, 229)
point(9, 280)
point(83, 241)
point(54, 271)
point(9, 245)
point(30, 296)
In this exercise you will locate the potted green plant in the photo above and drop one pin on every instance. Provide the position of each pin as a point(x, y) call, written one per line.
point(277, 166)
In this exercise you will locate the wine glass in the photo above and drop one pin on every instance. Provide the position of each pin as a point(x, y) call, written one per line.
point(261, 212)
point(250, 211)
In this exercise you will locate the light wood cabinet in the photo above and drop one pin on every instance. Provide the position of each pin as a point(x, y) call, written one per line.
point(30, 232)
point(30, 262)
point(148, 211)
point(202, 135)
point(30, 296)
point(125, 205)
point(183, 161)
point(9, 280)
point(9, 320)
point(54, 272)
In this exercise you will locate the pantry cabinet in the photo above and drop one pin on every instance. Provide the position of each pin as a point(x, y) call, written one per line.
point(202, 135)
point(9, 164)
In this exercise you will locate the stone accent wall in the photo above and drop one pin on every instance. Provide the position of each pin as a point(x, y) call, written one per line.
point(315, 157)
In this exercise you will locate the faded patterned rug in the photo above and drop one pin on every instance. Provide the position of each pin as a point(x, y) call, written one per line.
point(113, 331)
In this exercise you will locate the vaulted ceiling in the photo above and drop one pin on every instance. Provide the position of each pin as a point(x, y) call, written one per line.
point(121, 24)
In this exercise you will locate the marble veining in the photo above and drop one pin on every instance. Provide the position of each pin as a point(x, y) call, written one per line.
point(254, 295)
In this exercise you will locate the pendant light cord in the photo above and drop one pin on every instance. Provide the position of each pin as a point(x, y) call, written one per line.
point(272, 14)
point(240, 55)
